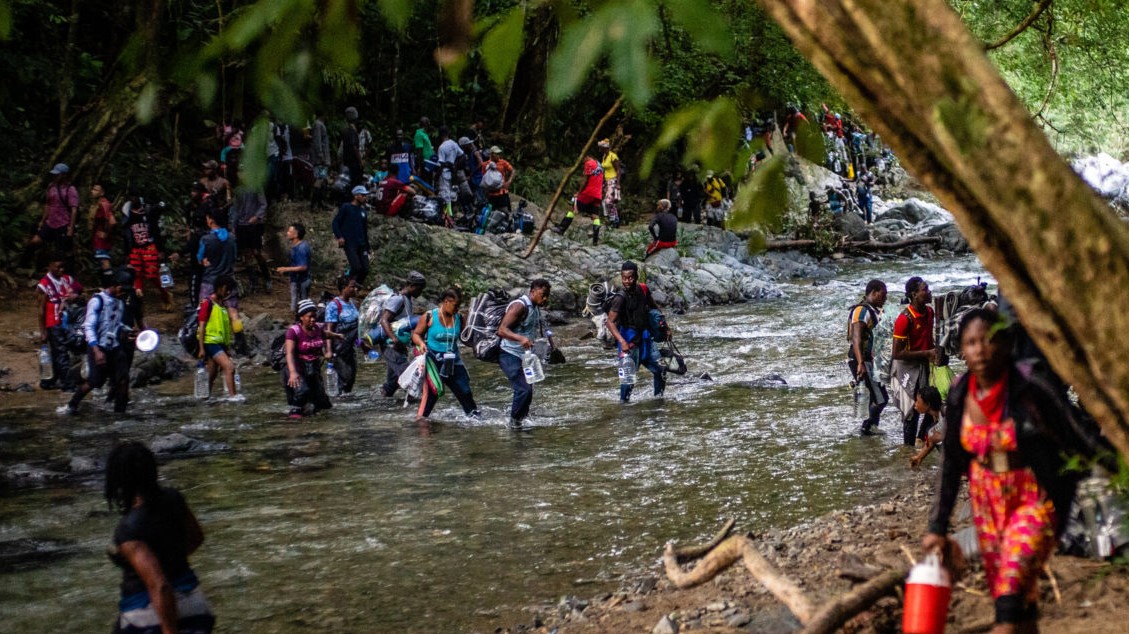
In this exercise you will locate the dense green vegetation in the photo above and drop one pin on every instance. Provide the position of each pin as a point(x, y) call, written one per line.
point(129, 93)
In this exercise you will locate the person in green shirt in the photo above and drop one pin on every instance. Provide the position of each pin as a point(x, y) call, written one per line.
point(422, 144)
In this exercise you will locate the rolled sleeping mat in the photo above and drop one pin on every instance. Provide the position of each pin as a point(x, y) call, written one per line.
point(596, 295)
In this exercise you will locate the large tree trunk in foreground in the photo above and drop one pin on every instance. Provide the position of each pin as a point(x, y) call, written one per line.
point(913, 71)
point(526, 109)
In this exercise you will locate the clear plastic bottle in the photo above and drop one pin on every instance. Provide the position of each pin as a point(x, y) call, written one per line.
point(862, 400)
point(331, 386)
point(372, 356)
point(626, 370)
point(201, 381)
point(531, 365)
point(46, 370)
point(166, 275)
point(238, 382)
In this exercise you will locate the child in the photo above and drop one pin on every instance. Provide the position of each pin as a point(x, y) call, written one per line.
point(215, 335)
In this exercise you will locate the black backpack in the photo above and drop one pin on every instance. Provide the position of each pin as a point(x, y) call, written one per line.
point(483, 318)
point(277, 357)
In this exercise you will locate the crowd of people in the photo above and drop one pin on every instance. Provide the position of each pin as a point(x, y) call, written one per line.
point(1007, 424)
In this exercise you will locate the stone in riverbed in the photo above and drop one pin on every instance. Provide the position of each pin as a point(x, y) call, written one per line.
point(665, 626)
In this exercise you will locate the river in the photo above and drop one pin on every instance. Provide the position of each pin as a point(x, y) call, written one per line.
point(358, 520)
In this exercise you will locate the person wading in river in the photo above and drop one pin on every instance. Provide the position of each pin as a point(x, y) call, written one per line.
point(518, 330)
point(913, 351)
point(398, 310)
point(864, 317)
point(628, 322)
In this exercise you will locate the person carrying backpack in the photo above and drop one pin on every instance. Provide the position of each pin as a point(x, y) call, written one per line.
point(306, 344)
point(397, 310)
point(341, 317)
point(102, 330)
point(629, 323)
point(913, 351)
point(861, 322)
point(517, 331)
point(498, 195)
point(216, 335)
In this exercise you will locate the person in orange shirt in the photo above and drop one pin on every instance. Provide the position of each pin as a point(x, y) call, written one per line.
point(500, 198)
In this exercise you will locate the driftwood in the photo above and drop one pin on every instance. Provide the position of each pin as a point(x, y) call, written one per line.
point(725, 552)
point(848, 245)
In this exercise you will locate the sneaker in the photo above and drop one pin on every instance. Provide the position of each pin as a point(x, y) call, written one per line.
point(295, 413)
point(475, 415)
point(514, 424)
point(234, 398)
point(866, 430)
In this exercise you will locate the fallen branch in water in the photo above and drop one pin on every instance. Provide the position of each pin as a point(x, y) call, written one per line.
point(725, 552)
point(859, 245)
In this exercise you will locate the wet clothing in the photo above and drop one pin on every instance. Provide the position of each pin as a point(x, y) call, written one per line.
point(632, 308)
point(865, 318)
point(162, 526)
point(1013, 443)
point(510, 358)
point(908, 377)
point(400, 307)
point(443, 340)
point(342, 313)
point(309, 350)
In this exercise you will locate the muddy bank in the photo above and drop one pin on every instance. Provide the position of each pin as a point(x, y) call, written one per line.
point(818, 555)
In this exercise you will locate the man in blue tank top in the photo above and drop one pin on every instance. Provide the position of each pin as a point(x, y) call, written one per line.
point(520, 326)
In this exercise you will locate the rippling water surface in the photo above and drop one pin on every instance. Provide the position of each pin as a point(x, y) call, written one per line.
point(360, 521)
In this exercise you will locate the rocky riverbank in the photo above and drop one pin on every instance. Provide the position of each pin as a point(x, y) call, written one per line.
point(825, 557)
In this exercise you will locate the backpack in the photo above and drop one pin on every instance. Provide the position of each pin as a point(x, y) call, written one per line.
point(189, 331)
point(483, 318)
point(372, 307)
point(277, 358)
point(492, 179)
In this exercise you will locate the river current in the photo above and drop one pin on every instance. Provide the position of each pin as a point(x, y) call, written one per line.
point(359, 520)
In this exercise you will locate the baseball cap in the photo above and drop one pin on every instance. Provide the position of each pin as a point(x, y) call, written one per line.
point(465, 141)
point(60, 168)
point(494, 149)
point(211, 164)
point(360, 190)
point(416, 278)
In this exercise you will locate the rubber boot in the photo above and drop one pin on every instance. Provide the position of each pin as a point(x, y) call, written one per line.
point(563, 227)
point(595, 232)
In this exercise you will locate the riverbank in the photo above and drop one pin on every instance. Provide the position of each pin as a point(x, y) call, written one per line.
point(820, 555)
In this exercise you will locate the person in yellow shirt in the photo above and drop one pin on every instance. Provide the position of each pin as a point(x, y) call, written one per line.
point(609, 161)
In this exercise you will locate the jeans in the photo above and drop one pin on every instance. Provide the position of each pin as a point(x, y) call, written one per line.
point(642, 355)
point(458, 383)
point(523, 391)
point(298, 292)
point(878, 395)
point(358, 261)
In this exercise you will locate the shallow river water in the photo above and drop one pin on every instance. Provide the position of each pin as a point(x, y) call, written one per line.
point(360, 521)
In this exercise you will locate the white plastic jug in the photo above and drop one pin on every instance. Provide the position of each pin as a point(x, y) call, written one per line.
point(626, 369)
point(531, 365)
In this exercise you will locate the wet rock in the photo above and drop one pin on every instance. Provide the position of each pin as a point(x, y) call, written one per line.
point(83, 465)
point(30, 553)
point(851, 226)
point(769, 380)
point(23, 475)
point(665, 626)
point(178, 444)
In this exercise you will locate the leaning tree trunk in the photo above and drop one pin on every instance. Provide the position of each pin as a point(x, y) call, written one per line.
point(526, 110)
point(919, 78)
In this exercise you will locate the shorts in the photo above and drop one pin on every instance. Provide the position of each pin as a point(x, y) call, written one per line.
point(212, 349)
point(592, 209)
point(52, 235)
point(207, 288)
point(249, 237)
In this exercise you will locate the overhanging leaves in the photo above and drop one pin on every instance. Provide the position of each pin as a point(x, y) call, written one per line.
point(760, 202)
point(502, 45)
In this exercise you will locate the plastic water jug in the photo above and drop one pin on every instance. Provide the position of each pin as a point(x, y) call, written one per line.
point(927, 598)
point(166, 275)
point(531, 365)
point(46, 370)
point(331, 386)
point(201, 381)
point(626, 370)
point(862, 400)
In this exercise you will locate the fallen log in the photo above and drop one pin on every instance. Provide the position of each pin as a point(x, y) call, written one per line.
point(853, 245)
point(827, 618)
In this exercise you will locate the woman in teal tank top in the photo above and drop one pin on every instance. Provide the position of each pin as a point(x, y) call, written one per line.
point(437, 335)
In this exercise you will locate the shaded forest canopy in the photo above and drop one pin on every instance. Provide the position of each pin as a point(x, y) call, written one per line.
point(166, 72)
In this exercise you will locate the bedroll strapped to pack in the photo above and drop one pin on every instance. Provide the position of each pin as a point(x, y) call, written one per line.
point(951, 308)
point(371, 308)
point(483, 318)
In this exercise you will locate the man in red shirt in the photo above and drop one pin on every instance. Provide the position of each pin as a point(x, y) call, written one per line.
point(104, 223)
point(588, 199)
point(913, 351)
point(53, 290)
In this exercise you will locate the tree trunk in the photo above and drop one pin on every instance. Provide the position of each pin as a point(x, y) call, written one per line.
point(919, 78)
point(526, 108)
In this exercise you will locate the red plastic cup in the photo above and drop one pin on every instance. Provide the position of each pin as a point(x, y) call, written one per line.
point(927, 598)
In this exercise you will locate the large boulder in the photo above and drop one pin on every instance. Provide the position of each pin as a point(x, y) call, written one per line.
point(912, 211)
point(852, 226)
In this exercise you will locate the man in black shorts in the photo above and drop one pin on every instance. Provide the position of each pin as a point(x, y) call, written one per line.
point(250, 209)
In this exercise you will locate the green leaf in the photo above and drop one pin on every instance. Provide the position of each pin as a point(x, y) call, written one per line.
point(206, 86)
point(707, 26)
point(760, 202)
point(339, 35)
point(713, 142)
point(581, 45)
point(757, 241)
point(147, 103)
point(674, 127)
point(253, 164)
point(502, 45)
point(810, 144)
point(397, 12)
point(5, 20)
point(629, 30)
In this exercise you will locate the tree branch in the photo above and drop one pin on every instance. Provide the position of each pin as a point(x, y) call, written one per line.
point(1021, 27)
point(564, 181)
